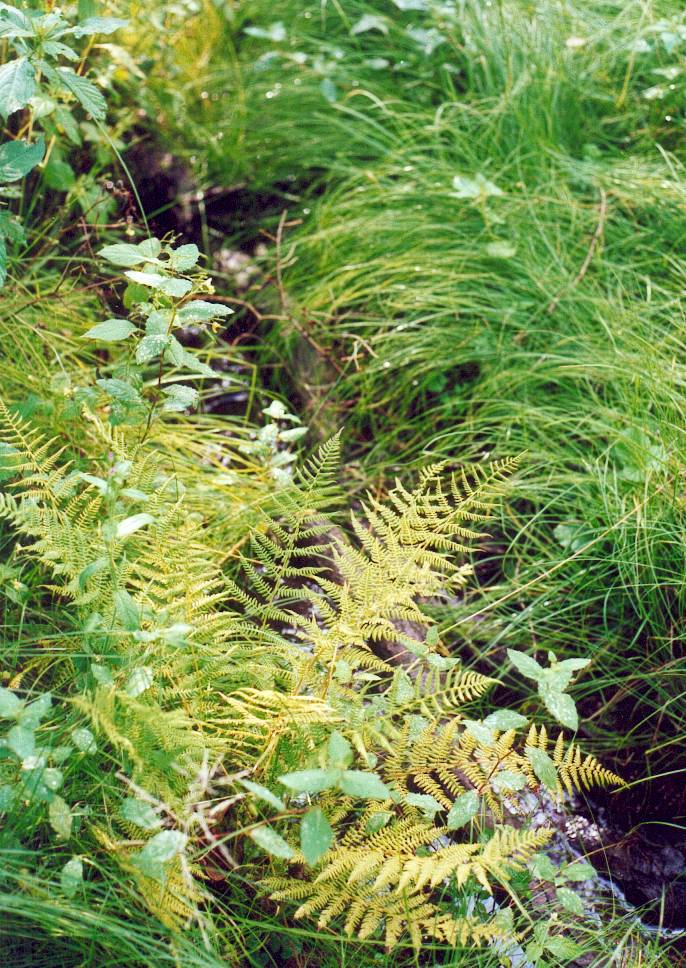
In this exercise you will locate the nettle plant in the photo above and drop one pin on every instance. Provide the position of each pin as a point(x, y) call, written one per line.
point(163, 291)
point(39, 92)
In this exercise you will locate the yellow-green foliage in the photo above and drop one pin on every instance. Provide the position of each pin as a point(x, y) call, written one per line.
point(201, 682)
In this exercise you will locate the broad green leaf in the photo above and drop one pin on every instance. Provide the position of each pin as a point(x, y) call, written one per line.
point(60, 817)
point(32, 714)
point(10, 705)
point(369, 22)
point(17, 158)
point(139, 680)
point(425, 802)
point(508, 780)
point(570, 901)
point(21, 741)
point(564, 948)
point(309, 781)
point(97, 25)
point(262, 793)
point(378, 821)
point(525, 664)
point(316, 835)
point(182, 358)
point(501, 250)
point(14, 23)
point(543, 767)
point(166, 284)
point(340, 752)
point(71, 876)
point(184, 258)
point(150, 347)
point(111, 330)
point(140, 813)
point(504, 719)
point(85, 92)
point(561, 706)
point(180, 397)
point(463, 810)
point(574, 664)
point(84, 740)
point(163, 847)
point(276, 32)
point(357, 783)
point(542, 868)
point(481, 733)
point(579, 871)
point(123, 254)
point(17, 85)
point(268, 839)
point(121, 390)
point(134, 523)
point(200, 311)
point(53, 778)
point(8, 795)
point(475, 188)
point(127, 610)
point(94, 568)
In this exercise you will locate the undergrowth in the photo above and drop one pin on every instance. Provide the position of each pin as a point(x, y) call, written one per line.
point(264, 709)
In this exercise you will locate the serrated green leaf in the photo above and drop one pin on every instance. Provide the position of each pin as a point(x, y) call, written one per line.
point(543, 767)
point(60, 817)
point(182, 358)
point(309, 781)
point(97, 25)
point(10, 705)
point(71, 876)
point(84, 740)
point(563, 948)
point(316, 835)
point(482, 734)
point(578, 871)
point(268, 839)
point(570, 901)
point(425, 802)
point(163, 847)
point(525, 664)
point(139, 680)
point(180, 397)
point(507, 781)
point(463, 810)
point(121, 390)
point(123, 254)
point(357, 783)
point(561, 706)
point(504, 719)
point(111, 330)
point(127, 610)
point(17, 85)
point(200, 311)
point(152, 346)
point(176, 288)
point(18, 158)
point(542, 868)
point(85, 92)
point(21, 741)
point(184, 258)
point(134, 523)
point(33, 713)
point(262, 793)
point(140, 813)
point(340, 752)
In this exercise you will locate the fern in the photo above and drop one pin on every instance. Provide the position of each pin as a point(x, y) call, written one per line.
point(283, 677)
